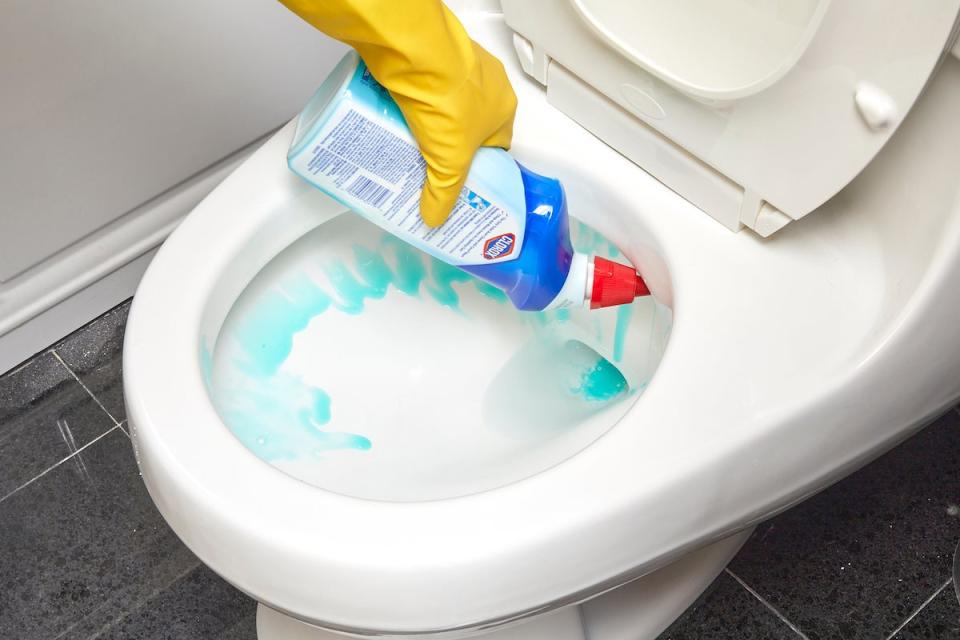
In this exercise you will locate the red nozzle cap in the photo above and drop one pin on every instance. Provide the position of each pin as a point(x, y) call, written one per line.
point(615, 283)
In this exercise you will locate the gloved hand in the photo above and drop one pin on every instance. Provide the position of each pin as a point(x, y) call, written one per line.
point(454, 95)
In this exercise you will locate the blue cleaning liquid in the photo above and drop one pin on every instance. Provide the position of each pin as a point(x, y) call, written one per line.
point(282, 419)
point(509, 227)
point(601, 382)
point(269, 332)
point(279, 416)
point(282, 416)
point(551, 386)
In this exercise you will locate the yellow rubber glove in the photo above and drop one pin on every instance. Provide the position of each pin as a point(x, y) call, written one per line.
point(454, 95)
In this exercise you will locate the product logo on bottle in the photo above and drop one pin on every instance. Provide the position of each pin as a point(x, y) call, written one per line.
point(499, 246)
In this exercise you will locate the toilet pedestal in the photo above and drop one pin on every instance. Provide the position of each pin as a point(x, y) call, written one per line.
point(564, 624)
point(639, 610)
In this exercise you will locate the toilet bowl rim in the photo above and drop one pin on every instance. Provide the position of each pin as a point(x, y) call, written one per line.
point(186, 352)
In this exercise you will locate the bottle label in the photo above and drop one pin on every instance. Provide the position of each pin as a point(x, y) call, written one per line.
point(365, 158)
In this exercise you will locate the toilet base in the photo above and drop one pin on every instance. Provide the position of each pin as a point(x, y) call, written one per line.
point(640, 610)
point(564, 624)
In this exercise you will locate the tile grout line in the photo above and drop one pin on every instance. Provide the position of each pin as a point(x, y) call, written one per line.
point(56, 355)
point(769, 606)
point(145, 601)
point(922, 606)
point(23, 365)
point(57, 464)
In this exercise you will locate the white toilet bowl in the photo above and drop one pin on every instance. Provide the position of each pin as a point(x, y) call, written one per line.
point(383, 472)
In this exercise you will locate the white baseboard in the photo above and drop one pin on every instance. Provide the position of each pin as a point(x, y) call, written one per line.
point(60, 320)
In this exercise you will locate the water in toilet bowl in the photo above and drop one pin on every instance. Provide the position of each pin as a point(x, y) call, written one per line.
point(358, 364)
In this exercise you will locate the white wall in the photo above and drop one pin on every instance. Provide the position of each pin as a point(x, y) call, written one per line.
point(111, 111)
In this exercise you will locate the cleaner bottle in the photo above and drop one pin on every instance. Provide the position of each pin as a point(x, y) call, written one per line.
point(509, 226)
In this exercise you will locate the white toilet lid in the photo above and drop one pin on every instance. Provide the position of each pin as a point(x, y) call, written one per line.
point(757, 112)
point(707, 48)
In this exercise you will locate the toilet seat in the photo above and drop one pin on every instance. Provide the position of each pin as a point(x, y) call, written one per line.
point(756, 404)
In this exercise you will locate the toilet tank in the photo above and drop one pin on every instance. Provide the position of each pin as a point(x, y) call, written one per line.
point(756, 111)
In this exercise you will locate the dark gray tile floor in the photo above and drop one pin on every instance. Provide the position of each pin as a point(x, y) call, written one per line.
point(857, 559)
point(94, 355)
point(83, 546)
point(940, 618)
point(728, 610)
point(45, 416)
point(84, 555)
point(870, 557)
point(198, 604)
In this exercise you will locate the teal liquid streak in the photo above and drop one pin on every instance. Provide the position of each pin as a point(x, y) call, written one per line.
point(321, 406)
point(373, 269)
point(588, 240)
point(270, 443)
point(267, 332)
point(408, 272)
point(282, 416)
point(620, 333)
point(489, 291)
point(443, 277)
point(282, 419)
point(330, 440)
point(541, 319)
point(350, 293)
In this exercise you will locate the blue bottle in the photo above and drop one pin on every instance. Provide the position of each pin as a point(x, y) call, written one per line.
point(509, 226)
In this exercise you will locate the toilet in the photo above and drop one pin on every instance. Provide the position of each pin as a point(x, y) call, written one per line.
point(370, 443)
